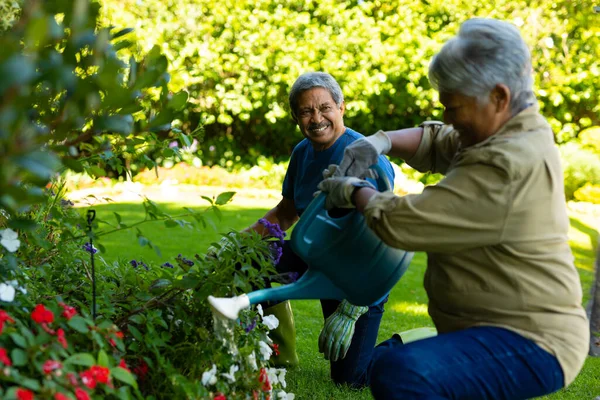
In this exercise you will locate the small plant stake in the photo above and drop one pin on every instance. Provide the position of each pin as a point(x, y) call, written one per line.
point(91, 214)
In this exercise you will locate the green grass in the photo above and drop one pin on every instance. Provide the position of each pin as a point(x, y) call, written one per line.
point(406, 309)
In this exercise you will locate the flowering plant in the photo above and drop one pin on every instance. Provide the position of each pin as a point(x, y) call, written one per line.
point(52, 352)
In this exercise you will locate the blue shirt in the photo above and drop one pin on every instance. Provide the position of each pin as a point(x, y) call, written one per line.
point(305, 170)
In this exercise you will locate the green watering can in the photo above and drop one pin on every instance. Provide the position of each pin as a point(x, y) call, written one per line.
point(345, 259)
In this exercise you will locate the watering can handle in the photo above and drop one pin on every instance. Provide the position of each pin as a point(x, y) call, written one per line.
point(382, 181)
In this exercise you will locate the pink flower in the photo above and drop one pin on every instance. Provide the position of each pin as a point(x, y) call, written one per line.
point(4, 359)
point(72, 378)
point(51, 365)
point(220, 397)
point(42, 315)
point(24, 394)
point(60, 396)
point(81, 394)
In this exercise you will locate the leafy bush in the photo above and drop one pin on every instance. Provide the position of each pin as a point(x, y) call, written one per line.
point(238, 60)
point(580, 166)
point(588, 193)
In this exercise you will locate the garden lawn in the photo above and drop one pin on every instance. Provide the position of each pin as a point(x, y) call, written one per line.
point(406, 308)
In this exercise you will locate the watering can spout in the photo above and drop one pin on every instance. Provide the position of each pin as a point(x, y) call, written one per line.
point(229, 307)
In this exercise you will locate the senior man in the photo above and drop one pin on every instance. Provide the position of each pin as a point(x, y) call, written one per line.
point(350, 333)
point(503, 291)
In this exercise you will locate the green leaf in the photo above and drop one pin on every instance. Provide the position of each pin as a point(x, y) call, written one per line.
point(122, 124)
point(178, 101)
point(224, 198)
point(18, 339)
point(83, 359)
point(170, 223)
point(160, 284)
point(208, 199)
point(79, 324)
point(118, 217)
point(19, 357)
point(135, 332)
point(137, 318)
point(17, 70)
point(103, 359)
point(124, 376)
point(41, 164)
point(74, 165)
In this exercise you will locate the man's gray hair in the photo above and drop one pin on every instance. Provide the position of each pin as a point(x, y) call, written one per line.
point(486, 52)
point(310, 80)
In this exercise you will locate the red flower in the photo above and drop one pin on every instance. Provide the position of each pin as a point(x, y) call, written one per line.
point(88, 379)
point(68, 311)
point(141, 370)
point(60, 333)
point(118, 334)
point(51, 365)
point(101, 374)
point(264, 378)
point(81, 394)
point(3, 318)
point(220, 397)
point(4, 357)
point(123, 364)
point(24, 394)
point(60, 396)
point(72, 378)
point(275, 348)
point(42, 315)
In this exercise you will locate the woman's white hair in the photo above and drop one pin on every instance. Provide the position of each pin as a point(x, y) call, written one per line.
point(485, 53)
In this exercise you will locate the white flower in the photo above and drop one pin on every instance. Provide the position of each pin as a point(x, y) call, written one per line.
point(252, 361)
point(271, 322)
point(272, 374)
point(210, 377)
point(265, 350)
point(281, 377)
point(231, 375)
point(7, 292)
point(9, 240)
point(259, 310)
point(282, 395)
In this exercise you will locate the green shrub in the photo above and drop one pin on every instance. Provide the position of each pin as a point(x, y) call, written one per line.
point(588, 193)
point(238, 60)
point(580, 167)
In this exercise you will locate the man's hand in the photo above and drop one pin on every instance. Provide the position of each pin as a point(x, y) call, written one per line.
point(336, 336)
point(339, 190)
point(363, 153)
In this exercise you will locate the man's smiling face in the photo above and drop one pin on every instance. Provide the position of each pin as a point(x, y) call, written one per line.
point(319, 118)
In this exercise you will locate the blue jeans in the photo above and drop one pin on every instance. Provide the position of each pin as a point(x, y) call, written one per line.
point(352, 369)
point(475, 363)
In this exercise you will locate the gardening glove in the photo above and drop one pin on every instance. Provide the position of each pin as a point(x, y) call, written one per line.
point(363, 153)
point(336, 336)
point(339, 190)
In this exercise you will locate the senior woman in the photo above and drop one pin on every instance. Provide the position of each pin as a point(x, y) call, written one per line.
point(503, 292)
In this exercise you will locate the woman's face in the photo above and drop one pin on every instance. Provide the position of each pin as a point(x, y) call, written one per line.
point(476, 122)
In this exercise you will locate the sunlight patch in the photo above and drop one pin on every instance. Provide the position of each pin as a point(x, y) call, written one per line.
point(410, 308)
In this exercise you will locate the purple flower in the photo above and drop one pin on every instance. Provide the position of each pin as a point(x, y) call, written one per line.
point(90, 248)
point(167, 265)
point(182, 260)
point(276, 251)
point(273, 229)
point(250, 326)
point(66, 203)
point(136, 264)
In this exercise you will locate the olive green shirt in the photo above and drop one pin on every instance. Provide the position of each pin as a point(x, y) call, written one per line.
point(495, 233)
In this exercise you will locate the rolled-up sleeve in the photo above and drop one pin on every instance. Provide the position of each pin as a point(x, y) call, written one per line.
point(438, 146)
point(466, 209)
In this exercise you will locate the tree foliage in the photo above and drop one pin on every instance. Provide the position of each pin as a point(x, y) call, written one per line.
point(238, 59)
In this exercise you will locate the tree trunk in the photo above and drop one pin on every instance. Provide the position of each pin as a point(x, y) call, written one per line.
point(595, 311)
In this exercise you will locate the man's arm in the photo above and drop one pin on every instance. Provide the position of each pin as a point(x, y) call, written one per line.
point(284, 214)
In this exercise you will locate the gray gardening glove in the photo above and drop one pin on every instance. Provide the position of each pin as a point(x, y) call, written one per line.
point(339, 190)
point(363, 153)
